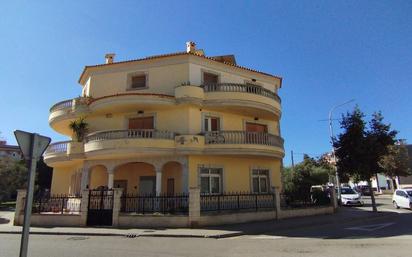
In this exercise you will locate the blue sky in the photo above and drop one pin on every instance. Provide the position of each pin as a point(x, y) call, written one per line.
point(327, 52)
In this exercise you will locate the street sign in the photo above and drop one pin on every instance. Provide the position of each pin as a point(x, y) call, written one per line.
point(32, 146)
point(24, 139)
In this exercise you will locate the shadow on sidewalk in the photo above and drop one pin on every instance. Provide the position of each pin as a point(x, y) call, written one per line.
point(347, 223)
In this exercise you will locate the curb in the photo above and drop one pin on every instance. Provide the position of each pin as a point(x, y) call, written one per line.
point(216, 236)
point(125, 235)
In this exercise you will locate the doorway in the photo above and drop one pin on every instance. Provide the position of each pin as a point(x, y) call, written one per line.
point(147, 185)
point(121, 184)
point(141, 123)
point(170, 186)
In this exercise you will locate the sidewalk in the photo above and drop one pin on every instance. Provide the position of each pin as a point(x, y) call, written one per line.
point(343, 216)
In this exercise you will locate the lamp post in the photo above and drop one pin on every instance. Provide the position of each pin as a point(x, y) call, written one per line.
point(332, 141)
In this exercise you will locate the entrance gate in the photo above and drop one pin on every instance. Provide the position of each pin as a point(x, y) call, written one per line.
point(100, 208)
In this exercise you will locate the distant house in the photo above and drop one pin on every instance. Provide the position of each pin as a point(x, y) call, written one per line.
point(403, 182)
point(10, 151)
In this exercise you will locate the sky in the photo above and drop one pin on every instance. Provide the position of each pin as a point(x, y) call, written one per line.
point(328, 52)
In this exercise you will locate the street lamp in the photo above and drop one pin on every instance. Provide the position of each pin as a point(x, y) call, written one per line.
point(332, 141)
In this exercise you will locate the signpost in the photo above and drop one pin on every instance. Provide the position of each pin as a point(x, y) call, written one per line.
point(32, 146)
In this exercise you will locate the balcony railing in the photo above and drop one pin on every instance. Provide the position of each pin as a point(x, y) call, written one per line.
point(233, 87)
point(130, 133)
point(62, 105)
point(58, 147)
point(243, 137)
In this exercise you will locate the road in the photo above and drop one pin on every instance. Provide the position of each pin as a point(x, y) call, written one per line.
point(389, 235)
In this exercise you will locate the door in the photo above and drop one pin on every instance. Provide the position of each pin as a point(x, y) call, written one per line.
point(147, 185)
point(100, 208)
point(255, 133)
point(404, 200)
point(170, 186)
point(255, 127)
point(141, 123)
point(141, 127)
point(121, 184)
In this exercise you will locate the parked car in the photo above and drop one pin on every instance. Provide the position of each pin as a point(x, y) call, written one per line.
point(364, 190)
point(350, 196)
point(402, 198)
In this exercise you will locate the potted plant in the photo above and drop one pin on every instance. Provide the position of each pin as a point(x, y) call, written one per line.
point(79, 128)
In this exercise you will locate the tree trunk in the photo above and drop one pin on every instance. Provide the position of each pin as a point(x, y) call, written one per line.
point(372, 196)
point(378, 187)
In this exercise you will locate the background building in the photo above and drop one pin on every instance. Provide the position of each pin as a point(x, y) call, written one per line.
point(10, 151)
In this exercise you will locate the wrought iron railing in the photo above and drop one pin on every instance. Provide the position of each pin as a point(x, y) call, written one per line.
point(62, 105)
point(130, 133)
point(57, 204)
point(242, 137)
point(58, 147)
point(237, 201)
point(146, 204)
point(245, 88)
point(304, 200)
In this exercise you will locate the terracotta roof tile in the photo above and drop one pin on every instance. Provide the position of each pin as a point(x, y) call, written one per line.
point(176, 54)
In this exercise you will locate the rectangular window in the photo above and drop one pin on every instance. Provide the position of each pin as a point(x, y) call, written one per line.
point(211, 180)
point(138, 82)
point(260, 181)
point(210, 78)
point(211, 123)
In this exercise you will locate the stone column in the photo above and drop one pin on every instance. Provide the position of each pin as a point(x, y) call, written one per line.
point(158, 181)
point(185, 178)
point(110, 178)
point(21, 198)
point(85, 179)
point(116, 205)
point(194, 207)
point(277, 202)
point(84, 207)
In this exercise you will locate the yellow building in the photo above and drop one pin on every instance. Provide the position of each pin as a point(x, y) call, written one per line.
point(166, 123)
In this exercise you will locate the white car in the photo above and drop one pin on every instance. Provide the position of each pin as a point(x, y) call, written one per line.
point(402, 198)
point(350, 197)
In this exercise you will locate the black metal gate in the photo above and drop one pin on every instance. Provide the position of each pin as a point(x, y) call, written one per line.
point(100, 208)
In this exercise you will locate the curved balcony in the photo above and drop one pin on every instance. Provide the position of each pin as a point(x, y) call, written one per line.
point(244, 142)
point(66, 104)
point(57, 152)
point(128, 142)
point(241, 88)
point(130, 101)
point(242, 98)
point(65, 111)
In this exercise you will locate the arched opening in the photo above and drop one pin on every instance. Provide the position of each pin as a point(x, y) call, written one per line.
point(135, 177)
point(98, 177)
point(172, 178)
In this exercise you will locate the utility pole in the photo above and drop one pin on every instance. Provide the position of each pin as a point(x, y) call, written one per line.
point(293, 163)
point(32, 146)
point(332, 139)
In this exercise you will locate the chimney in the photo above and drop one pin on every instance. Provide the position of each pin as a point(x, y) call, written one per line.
point(109, 58)
point(190, 47)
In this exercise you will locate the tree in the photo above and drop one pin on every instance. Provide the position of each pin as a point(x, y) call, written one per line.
point(79, 128)
point(299, 180)
point(43, 176)
point(396, 161)
point(359, 150)
point(13, 176)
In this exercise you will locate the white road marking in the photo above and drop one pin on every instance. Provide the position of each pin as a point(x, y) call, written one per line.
point(371, 227)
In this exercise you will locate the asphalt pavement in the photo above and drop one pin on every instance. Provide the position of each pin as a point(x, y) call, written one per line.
point(386, 234)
